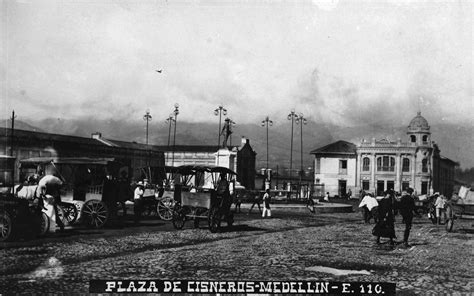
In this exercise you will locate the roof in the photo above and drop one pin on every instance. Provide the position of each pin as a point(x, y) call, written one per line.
point(339, 147)
point(418, 123)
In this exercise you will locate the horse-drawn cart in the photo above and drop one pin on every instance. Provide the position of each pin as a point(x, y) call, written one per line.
point(204, 193)
point(459, 205)
point(91, 192)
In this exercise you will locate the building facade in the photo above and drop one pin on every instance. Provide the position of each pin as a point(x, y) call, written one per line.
point(379, 165)
point(27, 144)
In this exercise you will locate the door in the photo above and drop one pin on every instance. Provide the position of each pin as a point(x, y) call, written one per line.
point(380, 188)
point(342, 188)
point(390, 185)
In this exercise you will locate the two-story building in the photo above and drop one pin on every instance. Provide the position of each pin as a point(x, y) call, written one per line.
point(379, 165)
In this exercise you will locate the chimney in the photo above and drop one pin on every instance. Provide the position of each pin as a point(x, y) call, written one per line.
point(96, 135)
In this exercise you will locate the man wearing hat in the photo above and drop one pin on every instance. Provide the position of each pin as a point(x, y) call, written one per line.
point(138, 201)
point(406, 206)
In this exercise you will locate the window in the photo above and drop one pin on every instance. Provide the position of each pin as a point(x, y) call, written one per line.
point(386, 164)
point(366, 164)
point(406, 165)
point(365, 185)
point(318, 166)
point(413, 139)
point(425, 139)
point(343, 167)
point(424, 165)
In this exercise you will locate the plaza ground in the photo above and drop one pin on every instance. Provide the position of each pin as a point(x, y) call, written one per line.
point(293, 245)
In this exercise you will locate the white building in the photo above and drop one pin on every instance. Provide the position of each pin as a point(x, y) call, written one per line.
point(380, 165)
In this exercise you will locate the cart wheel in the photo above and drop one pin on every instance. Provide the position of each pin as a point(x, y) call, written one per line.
point(6, 227)
point(95, 213)
point(165, 208)
point(45, 223)
point(214, 220)
point(179, 217)
point(68, 213)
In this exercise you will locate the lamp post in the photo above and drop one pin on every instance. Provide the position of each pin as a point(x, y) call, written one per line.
point(220, 111)
point(291, 117)
point(169, 121)
point(266, 123)
point(301, 120)
point(147, 117)
point(175, 112)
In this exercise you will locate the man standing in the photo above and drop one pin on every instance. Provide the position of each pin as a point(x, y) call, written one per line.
point(406, 207)
point(138, 201)
point(266, 204)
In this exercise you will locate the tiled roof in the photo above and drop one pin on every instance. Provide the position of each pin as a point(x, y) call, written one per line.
point(339, 147)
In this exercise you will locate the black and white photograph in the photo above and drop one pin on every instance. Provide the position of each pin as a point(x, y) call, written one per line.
point(237, 147)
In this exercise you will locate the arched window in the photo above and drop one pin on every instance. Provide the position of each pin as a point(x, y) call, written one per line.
point(425, 139)
point(386, 164)
point(413, 138)
point(366, 164)
point(406, 165)
point(424, 165)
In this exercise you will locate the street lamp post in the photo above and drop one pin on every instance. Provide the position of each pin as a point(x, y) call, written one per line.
point(301, 120)
point(169, 121)
point(220, 111)
point(175, 112)
point(266, 123)
point(147, 117)
point(291, 117)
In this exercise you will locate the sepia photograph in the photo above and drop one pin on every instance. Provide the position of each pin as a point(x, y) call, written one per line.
point(236, 147)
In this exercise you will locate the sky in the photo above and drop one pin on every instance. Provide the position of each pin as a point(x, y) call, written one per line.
point(348, 63)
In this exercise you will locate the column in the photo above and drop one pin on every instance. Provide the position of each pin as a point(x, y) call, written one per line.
point(358, 171)
point(373, 167)
point(413, 171)
point(398, 171)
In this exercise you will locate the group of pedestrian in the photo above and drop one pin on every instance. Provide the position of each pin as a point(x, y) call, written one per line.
point(383, 213)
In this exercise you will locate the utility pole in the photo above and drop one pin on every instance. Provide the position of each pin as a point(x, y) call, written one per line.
point(266, 123)
point(169, 121)
point(147, 117)
point(291, 117)
point(12, 133)
point(175, 112)
point(301, 120)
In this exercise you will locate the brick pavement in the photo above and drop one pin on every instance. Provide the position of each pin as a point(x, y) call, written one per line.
point(260, 249)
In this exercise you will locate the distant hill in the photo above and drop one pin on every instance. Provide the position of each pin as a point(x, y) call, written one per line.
point(455, 142)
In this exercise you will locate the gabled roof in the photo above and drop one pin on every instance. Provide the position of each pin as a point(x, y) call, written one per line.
point(339, 147)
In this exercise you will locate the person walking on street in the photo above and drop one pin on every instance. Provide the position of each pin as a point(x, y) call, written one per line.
point(138, 201)
point(370, 206)
point(385, 227)
point(440, 205)
point(406, 205)
point(256, 201)
point(266, 204)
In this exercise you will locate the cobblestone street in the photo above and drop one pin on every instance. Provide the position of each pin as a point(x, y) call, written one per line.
point(289, 246)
